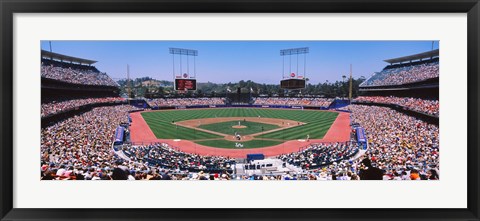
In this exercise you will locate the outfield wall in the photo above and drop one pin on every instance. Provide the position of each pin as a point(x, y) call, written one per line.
point(246, 105)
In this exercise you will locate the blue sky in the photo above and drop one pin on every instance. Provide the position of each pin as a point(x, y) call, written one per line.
point(232, 61)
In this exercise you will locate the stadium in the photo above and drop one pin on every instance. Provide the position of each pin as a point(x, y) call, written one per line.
point(384, 128)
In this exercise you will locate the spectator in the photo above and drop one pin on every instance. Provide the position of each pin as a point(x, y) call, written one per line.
point(432, 174)
point(368, 172)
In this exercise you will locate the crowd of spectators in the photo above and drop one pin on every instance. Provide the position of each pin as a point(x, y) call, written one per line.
point(166, 157)
point(56, 106)
point(174, 102)
point(74, 74)
point(404, 74)
point(400, 148)
point(318, 155)
point(420, 105)
point(81, 145)
point(399, 144)
point(316, 102)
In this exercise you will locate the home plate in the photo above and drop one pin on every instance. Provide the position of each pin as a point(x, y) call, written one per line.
point(301, 140)
point(176, 140)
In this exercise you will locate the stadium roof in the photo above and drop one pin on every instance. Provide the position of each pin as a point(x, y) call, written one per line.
point(428, 54)
point(61, 57)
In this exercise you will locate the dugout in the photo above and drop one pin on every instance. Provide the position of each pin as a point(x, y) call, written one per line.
point(256, 156)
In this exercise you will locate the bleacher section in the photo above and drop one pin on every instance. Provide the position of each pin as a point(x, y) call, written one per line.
point(408, 76)
point(55, 106)
point(323, 154)
point(296, 101)
point(164, 156)
point(53, 67)
point(409, 85)
point(71, 85)
point(175, 102)
point(404, 74)
point(430, 107)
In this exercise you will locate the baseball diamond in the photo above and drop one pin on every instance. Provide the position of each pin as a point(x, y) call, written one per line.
point(294, 124)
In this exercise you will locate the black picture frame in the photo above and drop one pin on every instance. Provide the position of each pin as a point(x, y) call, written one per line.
point(9, 7)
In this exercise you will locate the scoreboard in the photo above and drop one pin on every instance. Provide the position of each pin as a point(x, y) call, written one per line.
point(185, 84)
point(292, 84)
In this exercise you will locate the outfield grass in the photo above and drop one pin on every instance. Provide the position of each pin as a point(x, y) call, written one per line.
point(166, 130)
point(317, 123)
point(251, 127)
point(246, 144)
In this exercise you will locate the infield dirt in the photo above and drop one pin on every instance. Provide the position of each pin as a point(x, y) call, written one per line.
point(281, 123)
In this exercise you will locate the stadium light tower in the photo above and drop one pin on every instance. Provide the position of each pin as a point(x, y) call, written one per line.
point(294, 80)
point(129, 89)
point(351, 85)
point(181, 52)
point(184, 81)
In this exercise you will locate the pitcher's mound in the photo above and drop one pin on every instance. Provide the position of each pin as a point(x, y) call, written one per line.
point(239, 126)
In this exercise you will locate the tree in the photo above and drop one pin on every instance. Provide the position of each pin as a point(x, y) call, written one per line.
point(326, 89)
point(199, 93)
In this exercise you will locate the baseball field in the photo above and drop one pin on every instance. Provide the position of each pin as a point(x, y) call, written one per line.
point(239, 127)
